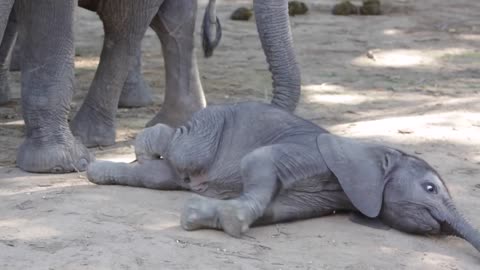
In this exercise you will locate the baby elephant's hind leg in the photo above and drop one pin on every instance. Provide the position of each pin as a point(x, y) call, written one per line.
point(294, 205)
point(154, 174)
point(234, 216)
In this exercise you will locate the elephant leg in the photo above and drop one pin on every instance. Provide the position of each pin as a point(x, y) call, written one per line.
point(5, 48)
point(175, 25)
point(305, 202)
point(154, 174)
point(260, 183)
point(136, 92)
point(5, 10)
point(125, 23)
point(47, 88)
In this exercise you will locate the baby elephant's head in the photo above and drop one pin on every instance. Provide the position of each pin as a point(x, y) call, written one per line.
point(416, 200)
point(403, 191)
point(153, 142)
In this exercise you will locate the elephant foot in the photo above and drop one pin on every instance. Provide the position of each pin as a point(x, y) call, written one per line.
point(93, 128)
point(229, 215)
point(135, 93)
point(101, 173)
point(4, 88)
point(174, 116)
point(58, 154)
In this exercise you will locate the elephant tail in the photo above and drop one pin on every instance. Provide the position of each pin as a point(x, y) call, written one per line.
point(211, 29)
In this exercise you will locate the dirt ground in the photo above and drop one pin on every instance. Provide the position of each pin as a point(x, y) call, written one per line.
point(409, 78)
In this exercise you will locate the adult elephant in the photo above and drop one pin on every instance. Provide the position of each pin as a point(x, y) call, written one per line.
point(135, 92)
point(45, 26)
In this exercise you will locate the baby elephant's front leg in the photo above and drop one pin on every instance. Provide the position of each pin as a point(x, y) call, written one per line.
point(155, 174)
point(151, 171)
point(235, 216)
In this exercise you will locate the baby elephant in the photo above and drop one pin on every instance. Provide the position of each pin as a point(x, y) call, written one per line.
point(257, 164)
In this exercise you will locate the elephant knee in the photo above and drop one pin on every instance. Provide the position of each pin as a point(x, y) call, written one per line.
point(258, 163)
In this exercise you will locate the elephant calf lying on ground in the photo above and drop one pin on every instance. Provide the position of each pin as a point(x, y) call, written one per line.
point(258, 164)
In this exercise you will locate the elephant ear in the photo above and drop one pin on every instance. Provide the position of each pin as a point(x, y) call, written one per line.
point(360, 169)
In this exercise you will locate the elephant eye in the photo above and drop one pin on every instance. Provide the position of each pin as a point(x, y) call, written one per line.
point(430, 188)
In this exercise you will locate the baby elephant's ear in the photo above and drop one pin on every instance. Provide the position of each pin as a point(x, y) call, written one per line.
point(360, 168)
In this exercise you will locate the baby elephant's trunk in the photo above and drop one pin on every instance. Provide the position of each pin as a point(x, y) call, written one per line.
point(461, 226)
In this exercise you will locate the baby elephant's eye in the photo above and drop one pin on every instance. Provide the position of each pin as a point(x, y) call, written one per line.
point(430, 188)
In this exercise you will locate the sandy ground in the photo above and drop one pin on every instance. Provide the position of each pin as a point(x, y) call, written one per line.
point(408, 79)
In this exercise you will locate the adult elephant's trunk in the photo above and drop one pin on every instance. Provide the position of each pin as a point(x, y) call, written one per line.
point(461, 226)
point(5, 9)
point(276, 37)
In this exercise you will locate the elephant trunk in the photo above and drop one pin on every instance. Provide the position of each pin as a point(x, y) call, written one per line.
point(460, 226)
point(276, 38)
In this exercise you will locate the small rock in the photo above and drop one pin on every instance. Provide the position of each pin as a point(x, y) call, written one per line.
point(182, 244)
point(405, 131)
point(241, 14)
point(371, 7)
point(9, 243)
point(345, 8)
point(28, 204)
point(297, 8)
point(370, 55)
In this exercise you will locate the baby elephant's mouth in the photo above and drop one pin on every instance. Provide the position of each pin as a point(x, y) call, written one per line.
point(447, 229)
point(198, 183)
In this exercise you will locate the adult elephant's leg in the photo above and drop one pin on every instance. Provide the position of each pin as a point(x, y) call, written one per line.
point(5, 9)
point(125, 23)
point(47, 87)
point(5, 48)
point(175, 25)
point(136, 92)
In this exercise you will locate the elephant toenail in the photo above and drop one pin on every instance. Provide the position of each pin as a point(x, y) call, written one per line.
point(57, 169)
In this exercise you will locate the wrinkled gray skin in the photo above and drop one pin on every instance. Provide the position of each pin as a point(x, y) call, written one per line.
point(9, 36)
point(47, 84)
point(260, 164)
point(135, 92)
point(47, 77)
point(125, 25)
